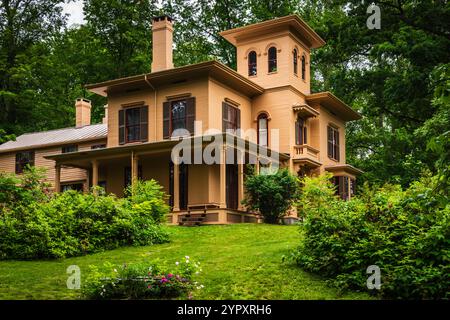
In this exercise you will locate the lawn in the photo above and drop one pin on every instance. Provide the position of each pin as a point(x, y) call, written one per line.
point(241, 261)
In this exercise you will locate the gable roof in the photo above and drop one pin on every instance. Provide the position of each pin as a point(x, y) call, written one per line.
point(212, 68)
point(55, 137)
point(292, 22)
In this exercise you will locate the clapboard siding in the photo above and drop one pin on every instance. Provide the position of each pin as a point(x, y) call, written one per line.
point(7, 163)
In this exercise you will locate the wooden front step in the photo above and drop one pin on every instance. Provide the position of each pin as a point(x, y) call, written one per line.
point(192, 219)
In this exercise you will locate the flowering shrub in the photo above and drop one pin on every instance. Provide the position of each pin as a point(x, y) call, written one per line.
point(142, 281)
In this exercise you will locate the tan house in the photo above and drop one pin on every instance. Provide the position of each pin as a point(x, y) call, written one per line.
point(264, 114)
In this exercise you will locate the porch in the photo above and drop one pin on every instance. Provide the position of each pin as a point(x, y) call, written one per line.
point(198, 193)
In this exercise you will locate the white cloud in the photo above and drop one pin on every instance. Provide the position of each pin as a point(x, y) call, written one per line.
point(75, 11)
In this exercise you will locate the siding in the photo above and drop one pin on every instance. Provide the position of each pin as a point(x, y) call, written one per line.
point(7, 163)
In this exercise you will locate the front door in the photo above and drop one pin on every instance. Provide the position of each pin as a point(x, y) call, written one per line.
point(183, 188)
point(232, 186)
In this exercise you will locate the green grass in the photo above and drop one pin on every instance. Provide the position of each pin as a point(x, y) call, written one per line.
point(241, 261)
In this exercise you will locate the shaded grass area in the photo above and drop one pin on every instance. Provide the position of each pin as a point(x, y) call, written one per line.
point(241, 261)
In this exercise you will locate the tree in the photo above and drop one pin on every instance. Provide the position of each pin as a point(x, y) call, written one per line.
point(271, 194)
point(23, 23)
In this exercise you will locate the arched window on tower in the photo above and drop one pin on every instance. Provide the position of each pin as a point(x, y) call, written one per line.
point(303, 67)
point(295, 60)
point(252, 65)
point(272, 59)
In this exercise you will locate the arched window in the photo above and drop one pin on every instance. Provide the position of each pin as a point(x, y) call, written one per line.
point(252, 69)
point(272, 59)
point(295, 60)
point(263, 129)
point(303, 67)
point(300, 132)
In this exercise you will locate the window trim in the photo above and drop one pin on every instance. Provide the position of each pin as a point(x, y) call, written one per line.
point(138, 125)
point(295, 60)
point(303, 132)
point(303, 65)
point(334, 152)
point(237, 124)
point(31, 161)
point(273, 60)
point(64, 148)
point(262, 115)
point(252, 64)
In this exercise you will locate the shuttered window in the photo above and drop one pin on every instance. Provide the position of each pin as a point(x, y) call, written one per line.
point(231, 118)
point(300, 132)
point(333, 143)
point(178, 114)
point(23, 159)
point(342, 186)
point(133, 124)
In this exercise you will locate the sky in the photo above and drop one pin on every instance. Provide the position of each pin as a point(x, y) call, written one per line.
point(75, 10)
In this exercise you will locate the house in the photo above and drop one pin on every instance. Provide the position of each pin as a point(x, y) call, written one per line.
point(263, 113)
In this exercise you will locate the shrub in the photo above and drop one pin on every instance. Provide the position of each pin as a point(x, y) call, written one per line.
point(72, 223)
point(141, 281)
point(271, 194)
point(405, 233)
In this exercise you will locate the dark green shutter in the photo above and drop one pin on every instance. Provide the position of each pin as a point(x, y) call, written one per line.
point(190, 114)
point(166, 120)
point(144, 123)
point(238, 118)
point(121, 126)
point(224, 116)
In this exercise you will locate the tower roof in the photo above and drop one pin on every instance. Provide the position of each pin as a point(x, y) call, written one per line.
point(292, 23)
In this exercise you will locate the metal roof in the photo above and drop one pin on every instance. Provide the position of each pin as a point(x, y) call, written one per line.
point(55, 137)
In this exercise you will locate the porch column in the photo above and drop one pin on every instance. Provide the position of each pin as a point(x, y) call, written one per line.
point(223, 177)
point(241, 165)
point(134, 168)
point(176, 186)
point(57, 178)
point(257, 165)
point(87, 187)
point(94, 173)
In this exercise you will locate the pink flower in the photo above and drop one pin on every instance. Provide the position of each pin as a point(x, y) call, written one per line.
point(149, 286)
point(170, 275)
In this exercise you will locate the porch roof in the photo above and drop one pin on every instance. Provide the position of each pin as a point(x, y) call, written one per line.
point(344, 167)
point(334, 105)
point(82, 159)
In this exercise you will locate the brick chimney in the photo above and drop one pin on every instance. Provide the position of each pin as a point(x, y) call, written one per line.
point(162, 30)
point(83, 112)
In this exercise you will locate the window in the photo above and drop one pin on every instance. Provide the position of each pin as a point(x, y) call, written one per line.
point(303, 67)
point(98, 146)
point(133, 124)
point(263, 126)
point(23, 159)
point(333, 143)
point(231, 118)
point(127, 176)
point(295, 60)
point(70, 148)
point(300, 132)
point(178, 114)
point(342, 184)
point(72, 186)
point(252, 68)
point(272, 59)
